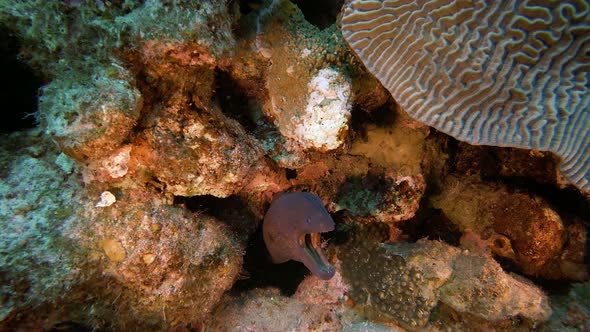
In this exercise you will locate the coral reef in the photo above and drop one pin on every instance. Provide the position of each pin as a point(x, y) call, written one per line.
point(38, 189)
point(364, 189)
point(410, 48)
point(91, 117)
point(517, 226)
point(162, 138)
point(209, 155)
point(169, 265)
point(310, 104)
point(318, 305)
point(401, 147)
point(138, 259)
point(268, 310)
point(309, 87)
point(532, 165)
point(408, 280)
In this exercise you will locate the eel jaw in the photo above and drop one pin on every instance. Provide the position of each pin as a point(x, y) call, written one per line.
point(313, 258)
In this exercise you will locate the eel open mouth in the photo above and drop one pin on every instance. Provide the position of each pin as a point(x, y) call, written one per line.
point(315, 260)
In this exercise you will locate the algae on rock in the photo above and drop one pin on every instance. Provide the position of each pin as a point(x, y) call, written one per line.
point(406, 281)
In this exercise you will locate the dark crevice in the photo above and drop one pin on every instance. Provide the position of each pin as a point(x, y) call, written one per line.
point(567, 201)
point(72, 327)
point(432, 224)
point(258, 269)
point(321, 13)
point(232, 211)
point(486, 161)
point(19, 87)
point(552, 287)
point(383, 116)
point(290, 173)
point(261, 272)
point(155, 185)
point(247, 6)
point(236, 104)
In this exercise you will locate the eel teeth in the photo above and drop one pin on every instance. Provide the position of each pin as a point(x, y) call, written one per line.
point(310, 240)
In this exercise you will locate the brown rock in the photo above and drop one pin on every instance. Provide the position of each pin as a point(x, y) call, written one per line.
point(536, 232)
point(537, 166)
point(209, 154)
point(113, 249)
point(518, 226)
point(184, 264)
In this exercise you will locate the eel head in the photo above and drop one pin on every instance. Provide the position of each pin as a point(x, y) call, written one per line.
point(291, 230)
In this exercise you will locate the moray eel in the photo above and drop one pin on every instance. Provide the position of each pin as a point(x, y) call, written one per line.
point(291, 230)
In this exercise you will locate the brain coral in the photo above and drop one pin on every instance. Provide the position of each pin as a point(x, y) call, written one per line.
point(503, 73)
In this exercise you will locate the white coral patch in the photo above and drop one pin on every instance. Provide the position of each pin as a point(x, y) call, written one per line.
point(327, 112)
point(106, 199)
point(116, 165)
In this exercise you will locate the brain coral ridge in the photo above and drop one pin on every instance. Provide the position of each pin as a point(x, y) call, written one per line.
point(502, 73)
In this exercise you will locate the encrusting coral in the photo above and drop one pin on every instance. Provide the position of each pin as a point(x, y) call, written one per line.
point(407, 281)
point(163, 138)
point(310, 87)
point(37, 264)
point(136, 261)
point(268, 310)
point(90, 117)
point(368, 191)
point(165, 262)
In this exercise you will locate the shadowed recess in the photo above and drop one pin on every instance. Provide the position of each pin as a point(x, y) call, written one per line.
point(241, 104)
point(321, 13)
point(501, 73)
point(19, 87)
point(247, 6)
point(72, 327)
point(230, 210)
point(234, 103)
point(431, 224)
point(382, 117)
point(260, 272)
point(290, 173)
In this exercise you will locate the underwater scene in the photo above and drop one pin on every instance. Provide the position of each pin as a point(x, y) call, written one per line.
point(295, 165)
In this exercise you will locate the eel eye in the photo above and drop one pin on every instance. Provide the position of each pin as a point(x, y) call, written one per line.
point(308, 220)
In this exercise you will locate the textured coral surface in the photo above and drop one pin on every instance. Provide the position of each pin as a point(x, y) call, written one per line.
point(509, 73)
point(162, 133)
